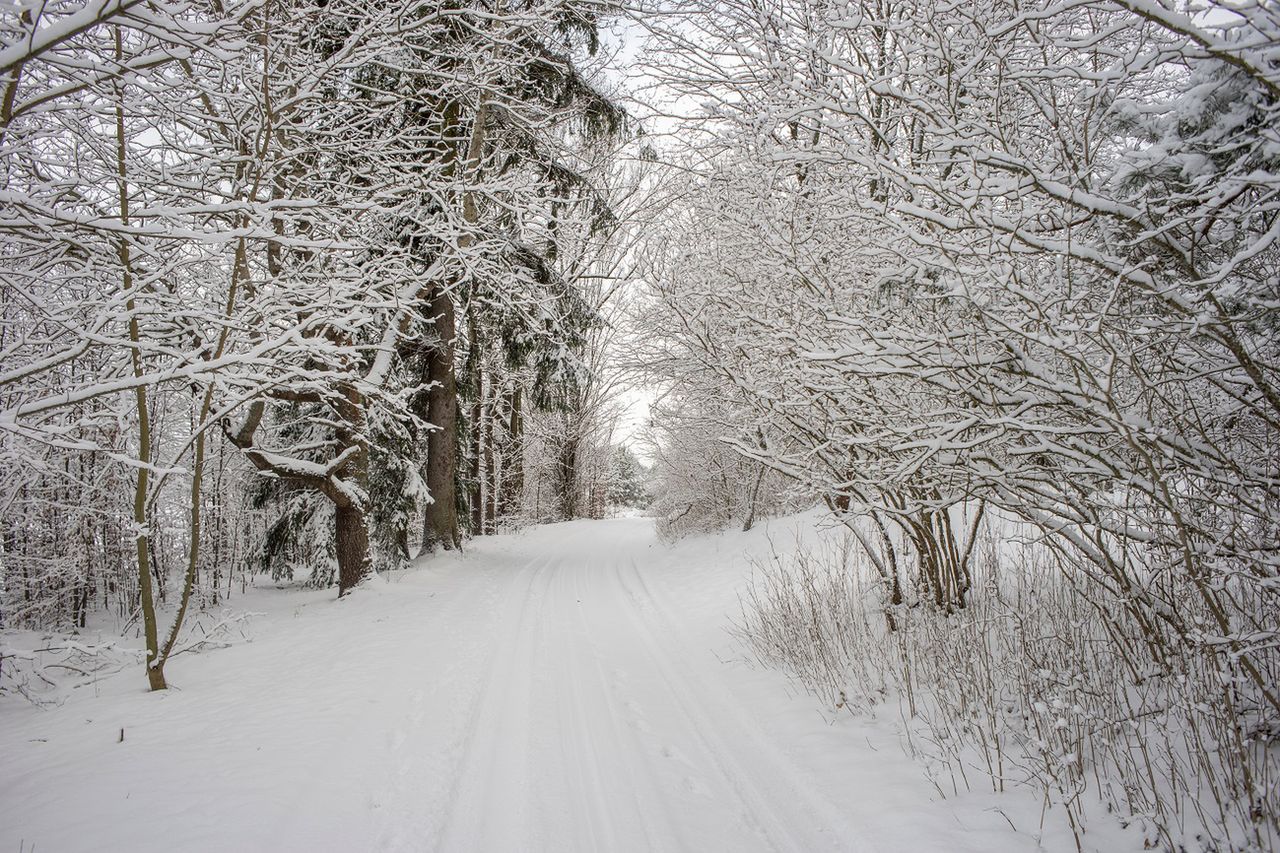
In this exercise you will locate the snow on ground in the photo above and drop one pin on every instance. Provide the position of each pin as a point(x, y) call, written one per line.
point(571, 688)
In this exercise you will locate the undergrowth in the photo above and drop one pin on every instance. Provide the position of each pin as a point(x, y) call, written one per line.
point(1039, 681)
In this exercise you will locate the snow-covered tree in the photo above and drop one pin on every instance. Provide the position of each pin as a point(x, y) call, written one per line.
point(628, 479)
point(1002, 260)
point(263, 221)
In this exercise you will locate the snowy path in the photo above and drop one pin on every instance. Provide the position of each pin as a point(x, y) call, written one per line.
point(595, 728)
point(561, 690)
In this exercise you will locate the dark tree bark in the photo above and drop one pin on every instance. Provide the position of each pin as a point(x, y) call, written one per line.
point(440, 523)
point(355, 561)
point(568, 479)
point(755, 487)
point(513, 475)
point(475, 435)
point(352, 545)
point(489, 473)
point(476, 473)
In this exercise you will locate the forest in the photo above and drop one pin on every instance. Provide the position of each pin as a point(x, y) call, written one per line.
point(340, 296)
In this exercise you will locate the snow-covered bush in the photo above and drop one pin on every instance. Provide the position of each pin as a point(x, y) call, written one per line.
point(1038, 681)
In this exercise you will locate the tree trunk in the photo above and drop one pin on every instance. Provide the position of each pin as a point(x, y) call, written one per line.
point(141, 537)
point(354, 562)
point(568, 479)
point(477, 454)
point(751, 501)
point(489, 473)
point(440, 523)
point(513, 480)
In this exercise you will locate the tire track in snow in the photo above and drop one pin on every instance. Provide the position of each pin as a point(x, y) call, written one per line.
point(763, 779)
point(619, 793)
point(721, 776)
point(589, 729)
point(487, 806)
point(410, 781)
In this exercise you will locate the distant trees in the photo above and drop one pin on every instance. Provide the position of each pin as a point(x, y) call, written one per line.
point(529, 131)
point(572, 431)
point(628, 479)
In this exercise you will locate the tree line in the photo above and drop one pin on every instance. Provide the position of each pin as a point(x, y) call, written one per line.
point(292, 284)
point(994, 269)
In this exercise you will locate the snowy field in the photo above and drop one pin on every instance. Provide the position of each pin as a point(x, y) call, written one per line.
point(574, 687)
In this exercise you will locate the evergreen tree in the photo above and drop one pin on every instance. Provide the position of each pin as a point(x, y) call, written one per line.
point(628, 479)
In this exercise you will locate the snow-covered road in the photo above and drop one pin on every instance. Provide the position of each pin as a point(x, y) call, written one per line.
point(572, 688)
point(596, 729)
